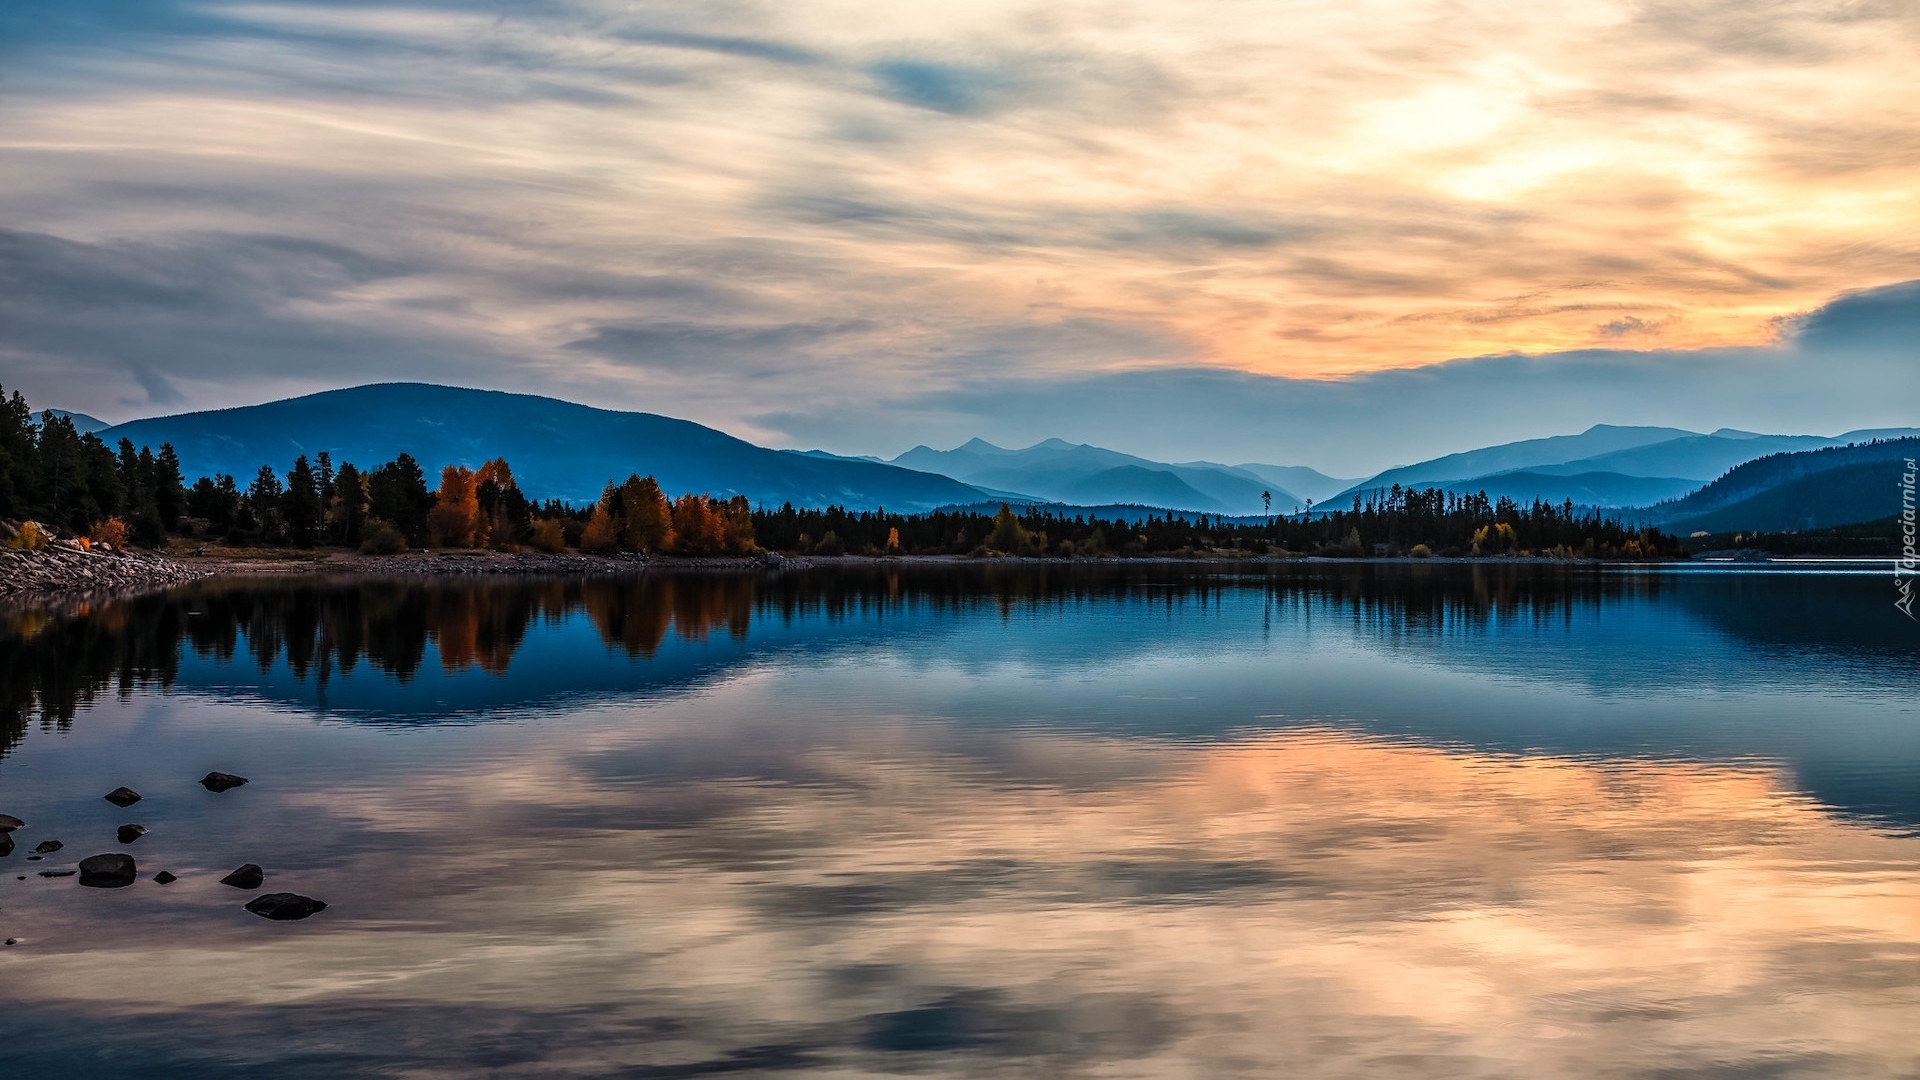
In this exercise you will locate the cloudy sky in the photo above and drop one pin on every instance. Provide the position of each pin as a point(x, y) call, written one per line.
point(1343, 234)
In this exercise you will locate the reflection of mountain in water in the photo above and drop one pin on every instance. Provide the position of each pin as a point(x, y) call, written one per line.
point(1711, 664)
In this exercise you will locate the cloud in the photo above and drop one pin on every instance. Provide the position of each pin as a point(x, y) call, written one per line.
point(202, 308)
point(757, 215)
point(739, 350)
point(1843, 367)
point(942, 87)
point(1867, 319)
point(1631, 326)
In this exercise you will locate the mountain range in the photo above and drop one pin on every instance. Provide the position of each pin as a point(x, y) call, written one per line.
point(558, 449)
point(1607, 466)
point(1076, 474)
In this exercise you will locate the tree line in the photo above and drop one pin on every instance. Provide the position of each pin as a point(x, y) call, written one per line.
point(1392, 521)
point(52, 473)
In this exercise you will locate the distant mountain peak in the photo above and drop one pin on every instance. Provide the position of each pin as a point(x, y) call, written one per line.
point(82, 423)
point(975, 445)
point(1665, 431)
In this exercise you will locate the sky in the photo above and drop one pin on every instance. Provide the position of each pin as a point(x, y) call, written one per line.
point(1342, 234)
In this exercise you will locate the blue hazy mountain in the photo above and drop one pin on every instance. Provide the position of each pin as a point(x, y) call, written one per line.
point(1302, 482)
point(1813, 489)
point(1601, 489)
point(557, 449)
point(1526, 455)
point(1610, 466)
point(1076, 474)
point(1699, 457)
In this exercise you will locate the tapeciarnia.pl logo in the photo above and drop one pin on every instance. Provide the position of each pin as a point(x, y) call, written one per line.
point(1908, 564)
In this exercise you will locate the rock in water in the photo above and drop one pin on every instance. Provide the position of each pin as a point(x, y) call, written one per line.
point(6, 844)
point(164, 877)
point(8, 823)
point(248, 876)
point(108, 871)
point(123, 797)
point(56, 873)
point(285, 906)
point(130, 833)
point(220, 781)
point(48, 847)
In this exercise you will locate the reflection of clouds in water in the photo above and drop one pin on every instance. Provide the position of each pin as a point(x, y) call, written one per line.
point(854, 892)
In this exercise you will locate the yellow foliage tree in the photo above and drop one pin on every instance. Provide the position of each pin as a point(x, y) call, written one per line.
point(647, 520)
point(1008, 534)
point(549, 535)
point(602, 532)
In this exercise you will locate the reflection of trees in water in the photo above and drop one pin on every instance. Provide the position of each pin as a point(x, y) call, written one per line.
point(635, 615)
point(50, 666)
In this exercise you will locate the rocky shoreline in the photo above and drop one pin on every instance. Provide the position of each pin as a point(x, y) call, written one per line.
point(70, 574)
point(64, 576)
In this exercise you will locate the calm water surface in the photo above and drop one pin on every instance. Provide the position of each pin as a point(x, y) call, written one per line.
point(1360, 821)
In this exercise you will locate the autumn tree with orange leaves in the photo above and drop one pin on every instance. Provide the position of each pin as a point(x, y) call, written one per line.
point(636, 516)
point(455, 517)
point(704, 526)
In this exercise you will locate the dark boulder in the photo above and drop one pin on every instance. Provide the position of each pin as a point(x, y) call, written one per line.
point(248, 876)
point(123, 797)
point(108, 871)
point(48, 847)
point(164, 877)
point(129, 833)
point(8, 823)
point(6, 844)
point(285, 906)
point(220, 781)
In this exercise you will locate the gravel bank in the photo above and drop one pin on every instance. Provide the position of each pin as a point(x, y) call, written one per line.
point(63, 572)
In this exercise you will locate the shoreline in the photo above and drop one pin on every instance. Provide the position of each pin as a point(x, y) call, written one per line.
point(63, 577)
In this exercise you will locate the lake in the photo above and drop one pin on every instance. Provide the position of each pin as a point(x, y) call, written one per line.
point(1330, 820)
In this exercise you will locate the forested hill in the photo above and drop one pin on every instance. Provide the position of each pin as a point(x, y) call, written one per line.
point(558, 449)
point(1841, 498)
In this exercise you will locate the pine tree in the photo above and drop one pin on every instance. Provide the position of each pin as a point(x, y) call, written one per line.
point(139, 502)
point(19, 458)
point(347, 508)
point(263, 503)
point(397, 493)
point(300, 504)
point(169, 488)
